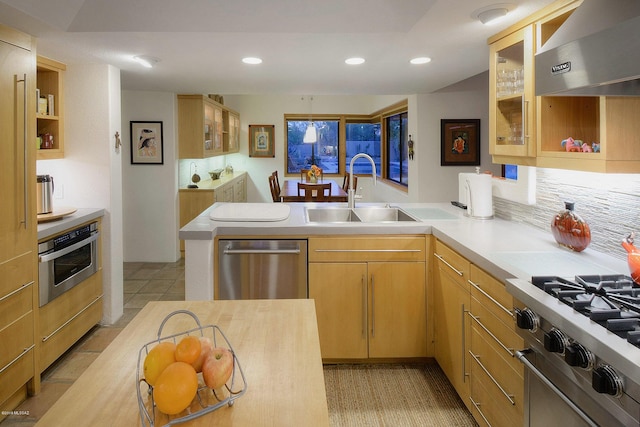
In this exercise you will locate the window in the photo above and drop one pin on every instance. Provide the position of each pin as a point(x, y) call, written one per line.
point(397, 148)
point(322, 153)
point(383, 135)
point(363, 138)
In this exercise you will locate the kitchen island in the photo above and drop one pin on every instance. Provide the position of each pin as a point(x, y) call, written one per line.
point(276, 342)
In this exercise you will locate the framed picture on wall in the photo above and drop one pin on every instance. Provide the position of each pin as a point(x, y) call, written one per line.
point(146, 143)
point(460, 142)
point(261, 141)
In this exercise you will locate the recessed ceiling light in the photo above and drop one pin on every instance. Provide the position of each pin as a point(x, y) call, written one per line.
point(252, 60)
point(420, 60)
point(146, 60)
point(354, 61)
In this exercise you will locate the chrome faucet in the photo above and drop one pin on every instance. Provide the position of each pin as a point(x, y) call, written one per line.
point(351, 194)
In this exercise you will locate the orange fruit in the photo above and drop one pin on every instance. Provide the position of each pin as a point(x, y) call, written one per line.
point(188, 349)
point(175, 388)
point(158, 358)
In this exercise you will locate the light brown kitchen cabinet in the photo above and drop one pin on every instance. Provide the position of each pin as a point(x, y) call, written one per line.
point(451, 303)
point(370, 295)
point(204, 128)
point(18, 254)
point(497, 377)
point(68, 317)
point(50, 81)
point(229, 188)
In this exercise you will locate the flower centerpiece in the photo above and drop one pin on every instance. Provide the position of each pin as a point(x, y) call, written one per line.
point(314, 173)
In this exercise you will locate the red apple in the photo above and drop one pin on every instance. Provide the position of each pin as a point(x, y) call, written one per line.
point(217, 367)
point(205, 348)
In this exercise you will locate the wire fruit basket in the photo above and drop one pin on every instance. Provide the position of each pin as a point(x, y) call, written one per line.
point(206, 399)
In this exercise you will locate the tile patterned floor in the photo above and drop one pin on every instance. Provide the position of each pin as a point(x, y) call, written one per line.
point(143, 282)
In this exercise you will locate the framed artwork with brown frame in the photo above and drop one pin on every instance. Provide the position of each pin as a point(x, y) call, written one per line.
point(146, 143)
point(261, 141)
point(460, 142)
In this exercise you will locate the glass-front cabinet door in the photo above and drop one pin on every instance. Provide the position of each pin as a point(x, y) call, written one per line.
point(209, 128)
point(512, 98)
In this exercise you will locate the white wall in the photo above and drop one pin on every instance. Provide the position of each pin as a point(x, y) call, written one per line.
point(468, 99)
point(150, 192)
point(89, 174)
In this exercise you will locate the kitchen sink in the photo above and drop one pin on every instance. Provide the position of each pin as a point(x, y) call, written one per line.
point(364, 214)
point(330, 215)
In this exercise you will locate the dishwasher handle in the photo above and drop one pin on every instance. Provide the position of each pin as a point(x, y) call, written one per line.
point(228, 251)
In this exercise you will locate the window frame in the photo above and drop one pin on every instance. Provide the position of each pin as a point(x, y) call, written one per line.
point(379, 116)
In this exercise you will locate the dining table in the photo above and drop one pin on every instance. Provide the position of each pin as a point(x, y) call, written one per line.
point(289, 191)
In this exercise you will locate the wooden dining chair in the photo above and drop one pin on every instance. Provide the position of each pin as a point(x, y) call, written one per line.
point(323, 192)
point(275, 175)
point(275, 193)
point(345, 182)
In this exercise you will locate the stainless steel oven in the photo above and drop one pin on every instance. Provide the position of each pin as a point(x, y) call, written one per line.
point(67, 260)
point(583, 350)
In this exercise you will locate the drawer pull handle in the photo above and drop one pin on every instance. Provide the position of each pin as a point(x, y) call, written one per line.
point(507, 349)
point(477, 406)
point(25, 351)
point(45, 339)
point(441, 258)
point(16, 291)
point(507, 395)
point(506, 310)
point(368, 250)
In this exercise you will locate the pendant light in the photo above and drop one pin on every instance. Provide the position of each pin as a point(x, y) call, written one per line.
point(311, 134)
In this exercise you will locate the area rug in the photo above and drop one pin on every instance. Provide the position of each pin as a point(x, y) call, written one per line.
point(392, 395)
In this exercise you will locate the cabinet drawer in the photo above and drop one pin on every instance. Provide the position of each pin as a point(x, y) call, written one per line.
point(503, 338)
point(486, 408)
point(505, 385)
point(61, 339)
point(16, 273)
point(14, 376)
point(452, 263)
point(15, 338)
point(492, 294)
point(348, 249)
point(16, 304)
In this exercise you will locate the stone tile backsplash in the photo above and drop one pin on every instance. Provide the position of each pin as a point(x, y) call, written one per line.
point(609, 203)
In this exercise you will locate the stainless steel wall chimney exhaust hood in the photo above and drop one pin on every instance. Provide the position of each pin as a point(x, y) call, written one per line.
point(595, 52)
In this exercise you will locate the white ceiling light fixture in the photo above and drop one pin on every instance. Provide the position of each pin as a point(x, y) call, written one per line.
point(146, 60)
point(252, 60)
point(420, 60)
point(311, 134)
point(492, 14)
point(356, 60)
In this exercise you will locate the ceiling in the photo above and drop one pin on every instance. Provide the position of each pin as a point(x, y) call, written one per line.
point(303, 43)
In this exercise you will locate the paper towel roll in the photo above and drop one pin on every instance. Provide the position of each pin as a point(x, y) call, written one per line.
point(475, 192)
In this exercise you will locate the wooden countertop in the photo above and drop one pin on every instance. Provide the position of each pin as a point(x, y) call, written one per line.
point(276, 342)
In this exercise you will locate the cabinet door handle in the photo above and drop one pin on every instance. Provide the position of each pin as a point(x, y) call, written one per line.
point(464, 341)
point(364, 307)
point(477, 406)
point(441, 258)
point(61, 327)
point(507, 395)
point(483, 292)
point(26, 285)
point(525, 122)
point(25, 351)
point(25, 151)
point(504, 347)
point(373, 307)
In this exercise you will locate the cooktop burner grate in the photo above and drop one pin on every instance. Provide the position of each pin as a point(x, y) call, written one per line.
point(612, 301)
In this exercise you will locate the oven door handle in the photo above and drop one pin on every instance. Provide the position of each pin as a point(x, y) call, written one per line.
point(521, 355)
point(68, 249)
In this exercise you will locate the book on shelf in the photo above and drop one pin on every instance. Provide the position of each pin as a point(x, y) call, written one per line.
point(51, 109)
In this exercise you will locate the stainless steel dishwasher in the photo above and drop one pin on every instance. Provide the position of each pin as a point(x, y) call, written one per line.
point(262, 269)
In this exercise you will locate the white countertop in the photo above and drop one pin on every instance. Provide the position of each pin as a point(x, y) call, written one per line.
point(504, 249)
point(80, 216)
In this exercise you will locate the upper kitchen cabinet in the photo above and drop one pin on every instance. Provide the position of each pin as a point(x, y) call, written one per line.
point(512, 110)
point(206, 128)
point(50, 108)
